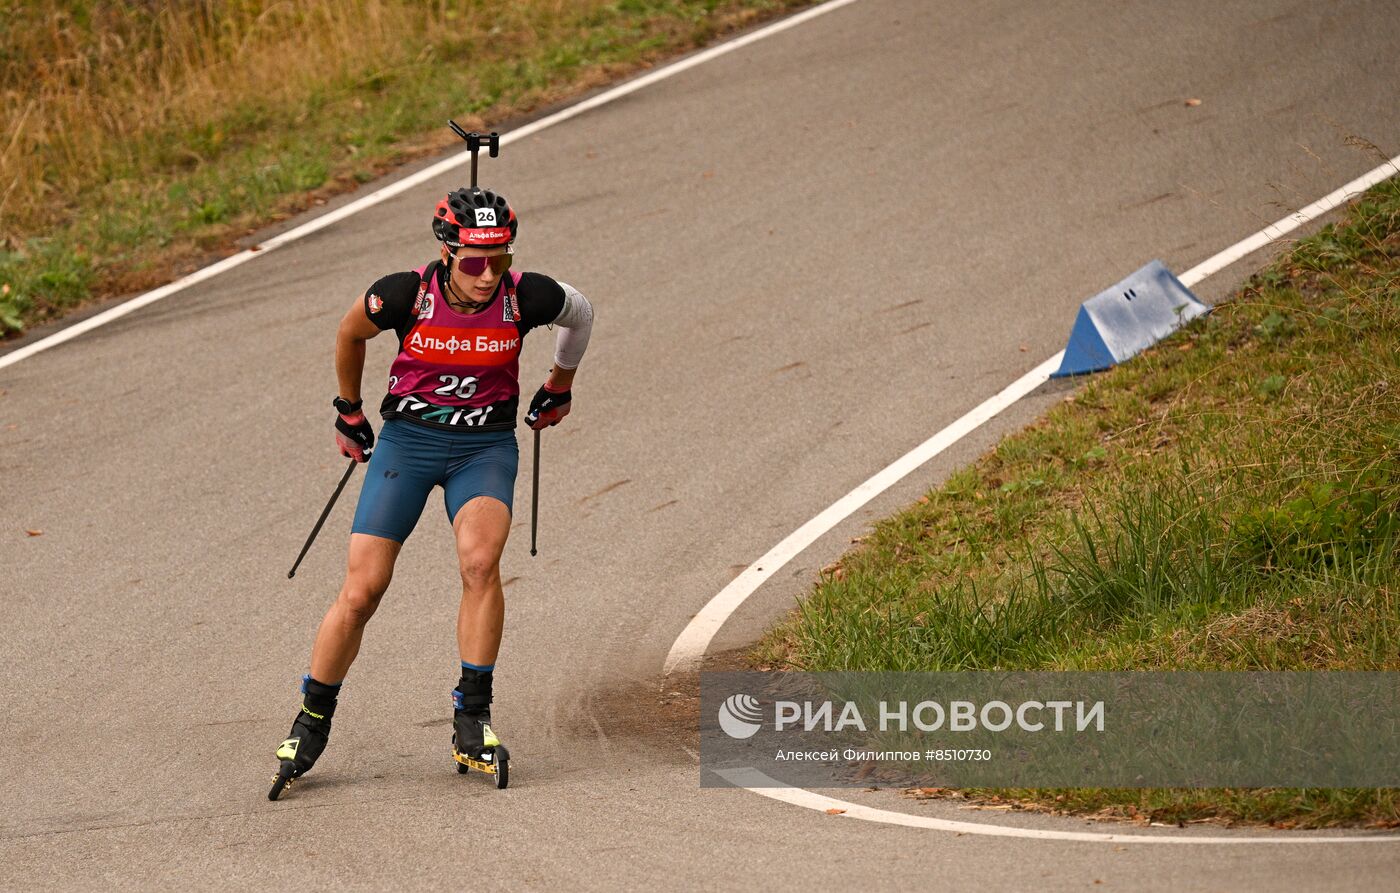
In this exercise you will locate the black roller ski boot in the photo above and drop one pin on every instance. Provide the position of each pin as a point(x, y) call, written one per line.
point(474, 744)
point(310, 731)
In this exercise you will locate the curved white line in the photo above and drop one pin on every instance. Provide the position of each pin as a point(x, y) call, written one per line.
point(690, 646)
point(755, 781)
point(393, 189)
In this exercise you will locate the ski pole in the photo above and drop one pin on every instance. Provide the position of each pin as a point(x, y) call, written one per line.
point(535, 498)
point(321, 520)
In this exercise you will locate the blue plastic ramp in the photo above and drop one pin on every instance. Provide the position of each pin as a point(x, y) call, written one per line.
point(1121, 321)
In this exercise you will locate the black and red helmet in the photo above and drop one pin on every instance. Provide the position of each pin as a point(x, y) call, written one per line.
point(474, 217)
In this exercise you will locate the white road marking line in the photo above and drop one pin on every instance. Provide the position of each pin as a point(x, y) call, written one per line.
point(1281, 228)
point(690, 646)
point(755, 781)
point(393, 189)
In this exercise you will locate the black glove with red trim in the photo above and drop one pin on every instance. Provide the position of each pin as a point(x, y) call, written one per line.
point(548, 407)
point(353, 435)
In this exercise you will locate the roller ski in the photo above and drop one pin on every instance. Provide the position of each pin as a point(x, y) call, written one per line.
point(310, 731)
point(474, 744)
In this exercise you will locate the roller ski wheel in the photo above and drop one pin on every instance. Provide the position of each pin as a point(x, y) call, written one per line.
point(495, 762)
point(502, 760)
point(485, 753)
point(283, 779)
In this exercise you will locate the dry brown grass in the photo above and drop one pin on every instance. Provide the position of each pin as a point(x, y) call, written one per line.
point(81, 83)
point(141, 140)
point(84, 85)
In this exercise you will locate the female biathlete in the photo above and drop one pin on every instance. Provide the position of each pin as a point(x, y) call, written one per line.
point(449, 420)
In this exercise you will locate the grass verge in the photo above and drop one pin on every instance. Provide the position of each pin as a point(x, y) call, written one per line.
point(141, 139)
point(1230, 500)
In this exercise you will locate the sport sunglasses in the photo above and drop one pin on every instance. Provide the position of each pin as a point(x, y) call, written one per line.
point(475, 266)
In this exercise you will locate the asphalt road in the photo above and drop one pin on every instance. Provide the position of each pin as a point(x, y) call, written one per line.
point(806, 256)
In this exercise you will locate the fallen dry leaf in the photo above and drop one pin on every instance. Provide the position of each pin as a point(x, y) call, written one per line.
point(35, 532)
point(1193, 102)
point(834, 811)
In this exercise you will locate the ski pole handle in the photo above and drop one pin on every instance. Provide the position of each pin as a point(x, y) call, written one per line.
point(322, 520)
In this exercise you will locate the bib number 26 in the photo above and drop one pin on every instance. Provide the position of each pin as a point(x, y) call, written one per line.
point(455, 386)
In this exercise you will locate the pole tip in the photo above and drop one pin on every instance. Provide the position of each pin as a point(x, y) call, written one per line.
point(291, 574)
point(533, 553)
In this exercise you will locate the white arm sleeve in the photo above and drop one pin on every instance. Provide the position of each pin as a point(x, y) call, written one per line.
point(575, 323)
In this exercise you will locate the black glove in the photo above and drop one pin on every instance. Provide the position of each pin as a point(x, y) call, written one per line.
point(354, 436)
point(548, 407)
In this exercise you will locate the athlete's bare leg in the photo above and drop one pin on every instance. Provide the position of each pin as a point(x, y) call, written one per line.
point(370, 567)
point(481, 526)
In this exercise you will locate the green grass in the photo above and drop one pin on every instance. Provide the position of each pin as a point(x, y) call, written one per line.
point(1230, 500)
point(143, 139)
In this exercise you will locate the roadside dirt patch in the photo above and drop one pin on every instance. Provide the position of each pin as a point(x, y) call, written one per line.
point(659, 712)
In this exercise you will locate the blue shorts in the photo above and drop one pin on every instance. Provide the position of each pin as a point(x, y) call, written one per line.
point(409, 460)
